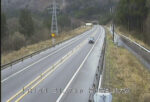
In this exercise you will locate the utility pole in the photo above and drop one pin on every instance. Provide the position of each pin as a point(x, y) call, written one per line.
point(54, 26)
point(113, 30)
point(113, 24)
point(54, 8)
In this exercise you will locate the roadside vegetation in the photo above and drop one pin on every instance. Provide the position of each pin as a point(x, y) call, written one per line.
point(121, 30)
point(23, 51)
point(133, 17)
point(25, 27)
point(88, 10)
point(124, 71)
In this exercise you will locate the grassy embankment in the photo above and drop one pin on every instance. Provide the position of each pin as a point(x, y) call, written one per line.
point(5, 58)
point(131, 35)
point(123, 70)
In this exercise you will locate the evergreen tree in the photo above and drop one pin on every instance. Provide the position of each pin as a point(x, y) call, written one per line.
point(47, 22)
point(4, 29)
point(132, 13)
point(26, 23)
point(64, 21)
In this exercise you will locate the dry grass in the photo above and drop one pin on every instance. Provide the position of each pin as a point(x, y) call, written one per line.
point(123, 70)
point(121, 30)
point(6, 58)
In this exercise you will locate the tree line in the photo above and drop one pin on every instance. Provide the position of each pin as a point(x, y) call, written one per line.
point(133, 15)
point(27, 28)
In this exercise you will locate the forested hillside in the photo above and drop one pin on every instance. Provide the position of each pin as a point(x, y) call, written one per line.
point(91, 9)
point(147, 23)
point(134, 15)
point(26, 22)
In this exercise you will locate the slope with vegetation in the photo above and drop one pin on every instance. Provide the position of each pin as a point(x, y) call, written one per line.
point(27, 28)
point(134, 16)
point(26, 22)
point(91, 10)
point(124, 75)
point(26, 50)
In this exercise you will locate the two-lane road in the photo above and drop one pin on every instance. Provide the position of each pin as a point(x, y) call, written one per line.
point(70, 65)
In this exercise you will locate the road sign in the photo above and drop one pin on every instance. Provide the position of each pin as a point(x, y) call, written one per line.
point(53, 35)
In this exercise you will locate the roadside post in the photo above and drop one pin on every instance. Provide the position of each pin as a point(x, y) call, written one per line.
point(53, 38)
point(112, 12)
point(113, 31)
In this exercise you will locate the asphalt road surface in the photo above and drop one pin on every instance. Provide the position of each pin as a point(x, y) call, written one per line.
point(64, 73)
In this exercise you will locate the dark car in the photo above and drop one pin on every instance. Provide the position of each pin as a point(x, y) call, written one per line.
point(91, 40)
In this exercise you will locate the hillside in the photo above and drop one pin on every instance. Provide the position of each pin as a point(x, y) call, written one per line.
point(134, 16)
point(41, 5)
point(73, 13)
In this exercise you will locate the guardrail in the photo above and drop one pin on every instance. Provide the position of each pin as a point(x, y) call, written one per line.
point(142, 47)
point(25, 57)
point(99, 73)
point(32, 54)
point(28, 88)
point(142, 53)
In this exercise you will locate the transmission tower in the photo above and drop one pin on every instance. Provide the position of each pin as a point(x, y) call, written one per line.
point(54, 26)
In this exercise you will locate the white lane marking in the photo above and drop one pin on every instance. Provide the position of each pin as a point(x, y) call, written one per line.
point(59, 98)
point(46, 73)
point(40, 60)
